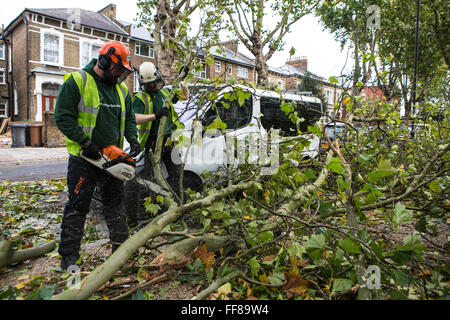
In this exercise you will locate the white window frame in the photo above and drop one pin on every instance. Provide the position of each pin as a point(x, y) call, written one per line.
point(10, 59)
point(218, 66)
point(241, 70)
point(151, 49)
point(230, 70)
point(328, 95)
point(5, 105)
point(201, 74)
point(2, 46)
point(3, 71)
point(60, 36)
point(90, 43)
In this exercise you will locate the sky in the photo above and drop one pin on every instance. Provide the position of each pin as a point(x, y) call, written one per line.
point(325, 57)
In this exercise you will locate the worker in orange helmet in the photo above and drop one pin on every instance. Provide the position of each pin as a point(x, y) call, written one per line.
point(94, 111)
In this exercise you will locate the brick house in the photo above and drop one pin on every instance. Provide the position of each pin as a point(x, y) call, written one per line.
point(290, 75)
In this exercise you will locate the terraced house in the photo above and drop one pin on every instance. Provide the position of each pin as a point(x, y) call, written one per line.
point(40, 46)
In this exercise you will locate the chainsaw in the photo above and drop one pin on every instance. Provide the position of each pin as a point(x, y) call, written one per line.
point(116, 162)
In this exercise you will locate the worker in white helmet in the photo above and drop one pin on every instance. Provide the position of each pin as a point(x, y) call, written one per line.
point(148, 106)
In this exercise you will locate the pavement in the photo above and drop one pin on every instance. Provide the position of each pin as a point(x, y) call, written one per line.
point(28, 154)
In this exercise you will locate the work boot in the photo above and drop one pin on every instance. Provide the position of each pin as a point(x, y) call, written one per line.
point(70, 260)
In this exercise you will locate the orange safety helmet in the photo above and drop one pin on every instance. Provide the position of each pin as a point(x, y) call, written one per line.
point(118, 53)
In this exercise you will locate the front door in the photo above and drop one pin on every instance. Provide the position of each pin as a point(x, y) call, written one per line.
point(48, 104)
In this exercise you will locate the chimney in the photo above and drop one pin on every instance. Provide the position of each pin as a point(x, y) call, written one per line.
point(299, 62)
point(231, 45)
point(109, 11)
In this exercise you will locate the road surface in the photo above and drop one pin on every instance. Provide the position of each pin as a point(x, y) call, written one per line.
point(33, 170)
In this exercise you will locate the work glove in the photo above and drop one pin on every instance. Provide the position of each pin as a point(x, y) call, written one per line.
point(90, 150)
point(135, 148)
point(162, 112)
point(184, 69)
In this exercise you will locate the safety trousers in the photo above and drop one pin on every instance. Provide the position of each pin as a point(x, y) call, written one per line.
point(135, 194)
point(82, 179)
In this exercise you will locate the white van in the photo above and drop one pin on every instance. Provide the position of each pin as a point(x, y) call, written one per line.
point(247, 129)
point(247, 125)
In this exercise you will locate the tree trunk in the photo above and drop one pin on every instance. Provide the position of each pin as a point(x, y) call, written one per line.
point(9, 256)
point(104, 272)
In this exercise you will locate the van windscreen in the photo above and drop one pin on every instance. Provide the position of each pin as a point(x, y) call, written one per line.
point(274, 117)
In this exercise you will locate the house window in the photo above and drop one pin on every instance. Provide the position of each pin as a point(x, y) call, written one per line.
point(328, 96)
point(280, 84)
point(144, 50)
point(88, 52)
point(218, 66)
point(200, 71)
point(230, 70)
point(242, 72)
point(3, 110)
point(2, 76)
point(2, 51)
point(52, 47)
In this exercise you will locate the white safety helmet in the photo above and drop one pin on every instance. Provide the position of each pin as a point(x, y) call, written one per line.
point(149, 73)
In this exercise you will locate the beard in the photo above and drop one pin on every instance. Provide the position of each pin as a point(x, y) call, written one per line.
point(109, 78)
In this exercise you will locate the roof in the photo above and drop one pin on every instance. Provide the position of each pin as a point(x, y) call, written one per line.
point(141, 33)
point(87, 18)
point(230, 55)
point(291, 70)
point(278, 71)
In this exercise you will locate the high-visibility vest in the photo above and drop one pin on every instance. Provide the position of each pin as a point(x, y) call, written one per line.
point(144, 128)
point(88, 107)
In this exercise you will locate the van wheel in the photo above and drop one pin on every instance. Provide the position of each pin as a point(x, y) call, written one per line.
point(192, 181)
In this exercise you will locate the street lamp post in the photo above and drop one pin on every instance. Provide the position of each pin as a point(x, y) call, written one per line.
point(416, 53)
point(416, 57)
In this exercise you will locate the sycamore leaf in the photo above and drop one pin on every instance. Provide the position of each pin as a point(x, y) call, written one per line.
point(204, 256)
point(295, 285)
point(350, 246)
point(401, 214)
point(341, 285)
point(314, 246)
point(225, 289)
point(254, 266)
point(335, 165)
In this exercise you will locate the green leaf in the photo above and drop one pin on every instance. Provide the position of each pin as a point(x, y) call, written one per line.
point(152, 208)
point(341, 285)
point(217, 124)
point(296, 250)
point(435, 187)
point(385, 168)
point(350, 246)
point(333, 80)
point(242, 95)
point(291, 51)
point(326, 209)
point(277, 278)
point(265, 236)
point(314, 246)
point(254, 266)
point(400, 278)
point(335, 165)
point(401, 215)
